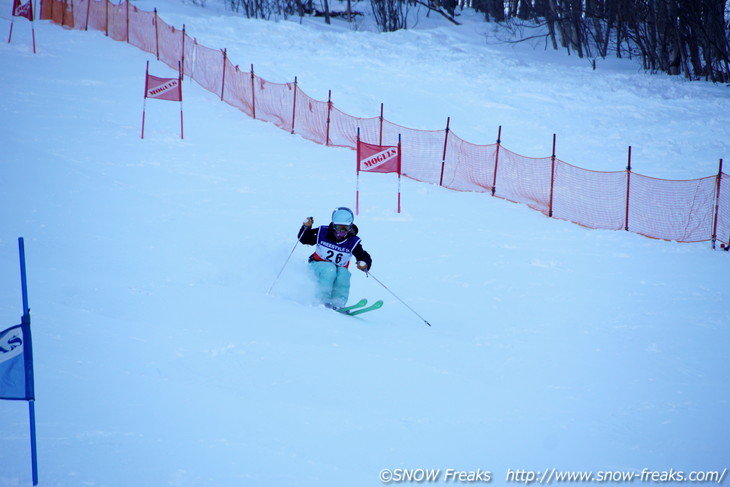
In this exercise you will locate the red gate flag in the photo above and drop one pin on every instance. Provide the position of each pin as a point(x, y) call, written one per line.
point(163, 89)
point(377, 158)
point(23, 9)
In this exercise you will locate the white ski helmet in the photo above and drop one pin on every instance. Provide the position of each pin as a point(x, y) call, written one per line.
point(342, 216)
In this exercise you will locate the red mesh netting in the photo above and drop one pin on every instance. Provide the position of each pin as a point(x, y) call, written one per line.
point(589, 198)
point(274, 102)
point(310, 120)
point(343, 129)
point(524, 179)
point(686, 211)
point(371, 132)
point(96, 17)
point(421, 151)
point(59, 12)
point(469, 167)
point(207, 68)
point(174, 47)
point(117, 21)
point(142, 30)
point(672, 210)
point(238, 90)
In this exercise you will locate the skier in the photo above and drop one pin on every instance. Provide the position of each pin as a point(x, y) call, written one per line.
point(336, 244)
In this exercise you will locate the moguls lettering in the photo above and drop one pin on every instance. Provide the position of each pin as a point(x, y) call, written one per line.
point(380, 158)
point(11, 345)
point(170, 85)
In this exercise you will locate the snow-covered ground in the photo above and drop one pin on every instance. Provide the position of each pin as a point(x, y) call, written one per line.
point(161, 360)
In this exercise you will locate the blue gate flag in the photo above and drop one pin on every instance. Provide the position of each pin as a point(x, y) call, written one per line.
point(16, 363)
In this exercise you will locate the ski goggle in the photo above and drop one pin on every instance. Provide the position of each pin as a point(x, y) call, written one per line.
point(342, 228)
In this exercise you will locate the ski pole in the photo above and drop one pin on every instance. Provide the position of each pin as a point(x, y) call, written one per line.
point(282, 267)
point(285, 263)
point(396, 296)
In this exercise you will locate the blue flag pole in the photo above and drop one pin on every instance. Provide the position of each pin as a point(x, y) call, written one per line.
point(29, 385)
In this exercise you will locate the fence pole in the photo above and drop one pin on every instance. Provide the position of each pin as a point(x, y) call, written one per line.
point(329, 113)
point(223, 81)
point(182, 54)
point(496, 160)
point(717, 206)
point(443, 157)
point(380, 141)
point(106, 18)
point(628, 191)
point(552, 179)
point(400, 168)
point(253, 95)
point(357, 175)
point(127, 21)
point(32, 33)
point(157, 37)
point(179, 78)
point(88, 10)
point(294, 108)
point(144, 102)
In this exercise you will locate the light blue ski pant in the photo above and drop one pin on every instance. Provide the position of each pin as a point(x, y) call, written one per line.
point(333, 283)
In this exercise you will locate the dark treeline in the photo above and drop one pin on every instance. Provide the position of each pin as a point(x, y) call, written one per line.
point(688, 37)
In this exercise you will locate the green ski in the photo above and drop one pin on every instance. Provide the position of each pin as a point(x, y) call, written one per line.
point(359, 310)
point(347, 309)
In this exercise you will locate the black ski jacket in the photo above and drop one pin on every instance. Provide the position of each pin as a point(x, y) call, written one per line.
point(308, 236)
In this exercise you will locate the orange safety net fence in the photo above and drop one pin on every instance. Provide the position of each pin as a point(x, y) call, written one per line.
point(685, 211)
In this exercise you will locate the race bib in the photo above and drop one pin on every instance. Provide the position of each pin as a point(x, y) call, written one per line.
point(337, 253)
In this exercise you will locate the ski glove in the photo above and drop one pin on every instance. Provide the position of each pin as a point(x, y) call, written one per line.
point(362, 265)
point(308, 222)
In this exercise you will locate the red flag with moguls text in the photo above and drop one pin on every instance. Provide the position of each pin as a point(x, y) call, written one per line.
point(378, 158)
point(163, 88)
point(23, 9)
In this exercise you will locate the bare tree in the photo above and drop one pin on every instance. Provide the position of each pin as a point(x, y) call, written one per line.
point(690, 37)
point(390, 15)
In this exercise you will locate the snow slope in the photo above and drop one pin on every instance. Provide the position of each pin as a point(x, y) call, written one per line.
point(161, 360)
